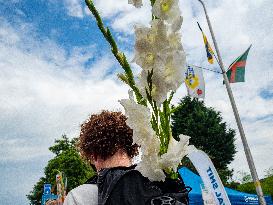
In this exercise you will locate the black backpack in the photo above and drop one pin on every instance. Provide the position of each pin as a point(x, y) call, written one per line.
point(173, 191)
point(175, 188)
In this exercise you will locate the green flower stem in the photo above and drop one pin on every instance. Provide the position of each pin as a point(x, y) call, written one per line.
point(165, 124)
point(160, 118)
point(170, 173)
point(121, 58)
point(155, 112)
point(152, 2)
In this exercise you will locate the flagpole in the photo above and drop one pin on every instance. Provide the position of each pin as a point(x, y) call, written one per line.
point(237, 117)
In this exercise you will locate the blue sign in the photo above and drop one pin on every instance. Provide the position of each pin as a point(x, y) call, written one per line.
point(47, 188)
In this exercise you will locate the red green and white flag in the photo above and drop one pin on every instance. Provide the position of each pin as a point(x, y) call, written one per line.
point(236, 71)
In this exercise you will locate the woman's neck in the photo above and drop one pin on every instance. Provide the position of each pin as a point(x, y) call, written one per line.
point(120, 158)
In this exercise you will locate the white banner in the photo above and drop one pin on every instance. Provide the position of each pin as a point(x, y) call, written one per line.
point(194, 81)
point(209, 175)
point(207, 196)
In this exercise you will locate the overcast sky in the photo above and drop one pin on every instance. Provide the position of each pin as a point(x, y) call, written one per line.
point(56, 69)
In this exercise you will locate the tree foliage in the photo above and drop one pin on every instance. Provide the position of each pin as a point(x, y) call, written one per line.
point(245, 177)
point(269, 172)
point(246, 184)
point(66, 160)
point(208, 132)
point(267, 186)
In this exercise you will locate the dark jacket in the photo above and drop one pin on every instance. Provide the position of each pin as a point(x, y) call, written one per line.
point(126, 186)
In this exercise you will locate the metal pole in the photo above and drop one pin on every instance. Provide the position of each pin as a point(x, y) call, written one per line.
point(237, 117)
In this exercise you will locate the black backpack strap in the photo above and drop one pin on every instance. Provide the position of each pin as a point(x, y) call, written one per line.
point(92, 180)
point(108, 179)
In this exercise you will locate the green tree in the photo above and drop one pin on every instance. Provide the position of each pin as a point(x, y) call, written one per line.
point(68, 161)
point(208, 132)
point(269, 172)
point(245, 177)
point(267, 185)
point(248, 186)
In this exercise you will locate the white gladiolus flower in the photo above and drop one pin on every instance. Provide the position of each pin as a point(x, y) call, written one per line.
point(150, 167)
point(176, 24)
point(160, 50)
point(176, 151)
point(149, 43)
point(167, 10)
point(151, 164)
point(174, 70)
point(141, 82)
point(174, 42)
point(136, 3)
point(169, 75)
point(139, 118)
point(159, 89)
point(150, 147)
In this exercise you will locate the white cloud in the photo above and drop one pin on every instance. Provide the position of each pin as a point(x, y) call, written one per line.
point(122, 15)
point(45, 92)
point(74, 8)
point(7, 34)
point(112, 7)
point(127, 19)
point(101, 67)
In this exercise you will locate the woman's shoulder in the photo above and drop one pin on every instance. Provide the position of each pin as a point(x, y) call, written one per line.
point(83, 194)
point(85, 188)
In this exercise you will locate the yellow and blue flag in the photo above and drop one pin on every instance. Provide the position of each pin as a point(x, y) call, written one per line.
point(209, 50)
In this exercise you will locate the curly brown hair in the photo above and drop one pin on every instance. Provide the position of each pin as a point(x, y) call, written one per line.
point(102, 135)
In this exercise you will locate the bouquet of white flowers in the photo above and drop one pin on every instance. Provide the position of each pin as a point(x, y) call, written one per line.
point(159, 52)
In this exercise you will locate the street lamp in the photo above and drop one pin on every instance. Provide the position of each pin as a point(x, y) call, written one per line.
point(237, 117)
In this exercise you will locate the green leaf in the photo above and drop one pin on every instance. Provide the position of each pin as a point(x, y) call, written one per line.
point(111, 41)
point(123, 78)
